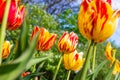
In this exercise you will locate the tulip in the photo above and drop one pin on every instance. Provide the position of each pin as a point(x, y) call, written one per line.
point(73, 61)
point(45, 40)
point(117, 67)
point(97, 20)
point(15, 16)
point(110, 55)
point(68, 42)
point(25, 74)
point(109, 52)
point(6, 49)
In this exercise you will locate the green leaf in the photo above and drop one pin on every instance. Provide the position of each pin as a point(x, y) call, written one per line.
point(110, 72)
point(42, 78)
point(99, 67)
point(24, 37)
point(12, 70)
point(35, 61)
point(23, 40)
point(7, 71)
point(117, 77)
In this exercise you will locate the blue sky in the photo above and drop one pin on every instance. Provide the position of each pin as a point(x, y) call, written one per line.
point(116, 36)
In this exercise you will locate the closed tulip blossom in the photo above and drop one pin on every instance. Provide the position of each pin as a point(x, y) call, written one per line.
point(109, 52)
point(5, 49)
point(97, 20)
point(110, 55)
point(68, 42)
point(73, 61)
point(15, 16)
point(24, 74)
point(117, 67)
point(45, 39)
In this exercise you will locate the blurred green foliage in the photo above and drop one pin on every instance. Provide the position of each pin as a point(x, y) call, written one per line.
point(66, 21)
point(38, 17)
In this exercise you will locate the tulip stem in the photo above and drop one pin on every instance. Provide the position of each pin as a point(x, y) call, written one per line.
point(87, 62)
point(58, 66)
point(94, 56)
point(68, 76)
point(3, 27)
point(114, 52)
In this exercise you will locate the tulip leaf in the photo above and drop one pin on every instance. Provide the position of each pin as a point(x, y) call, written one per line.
point(23, 40)
point(42, 78)
point(98, 68)
point(110, 72)
point(96, 71)
point(24, 36)
point(35, 61)
point(12, 70)
point(117, 77)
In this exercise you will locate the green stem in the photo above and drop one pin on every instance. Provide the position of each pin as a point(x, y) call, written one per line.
point(3, 27)
point(58, 66)
point(68, 76)
point(94, 56)
point(87, 63)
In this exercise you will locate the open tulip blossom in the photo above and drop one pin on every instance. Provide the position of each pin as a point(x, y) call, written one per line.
point(68, 42)
point(45, 39)
point(97, 20)
point(15, 16)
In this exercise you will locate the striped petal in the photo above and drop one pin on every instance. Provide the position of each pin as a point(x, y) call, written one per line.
point(73, 61)
point(68, 42)
point(97, 20)
point(45, 40)
point(15, 16)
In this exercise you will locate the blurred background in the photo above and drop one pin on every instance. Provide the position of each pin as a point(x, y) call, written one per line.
point(58, 16)
point(56, 7)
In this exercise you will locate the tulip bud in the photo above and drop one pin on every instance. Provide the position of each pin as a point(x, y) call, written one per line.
point(25, 74)
point(5, 49)
point(108, 52)
point(110, 55)
point(117, 67)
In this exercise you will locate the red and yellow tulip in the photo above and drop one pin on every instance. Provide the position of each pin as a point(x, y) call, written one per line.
point(110, 55)
point(109, 52)
point(45, 40)
point(68, 42)
point(117, 67)
point(97, 20)
point(5, 49)
point(15, 16)
point(73, 61)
